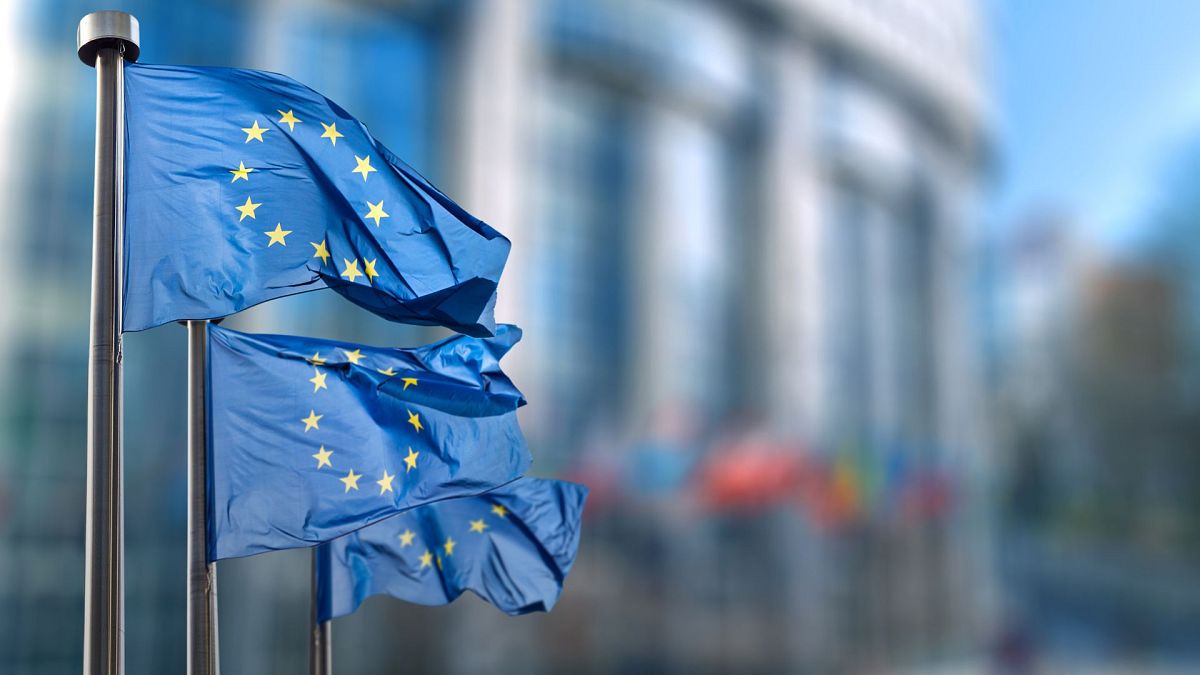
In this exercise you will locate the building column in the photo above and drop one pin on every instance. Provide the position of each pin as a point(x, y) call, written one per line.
point(490, 166)
point(680, 290)
point(791, 322)
point(792, 267)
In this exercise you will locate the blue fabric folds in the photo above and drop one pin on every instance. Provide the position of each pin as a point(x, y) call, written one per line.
point(244, 186)
point(512, 546)
point(311, 439)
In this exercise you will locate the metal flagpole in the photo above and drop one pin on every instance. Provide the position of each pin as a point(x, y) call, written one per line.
point(105, 40)
point(202, 652)
point(320, 649)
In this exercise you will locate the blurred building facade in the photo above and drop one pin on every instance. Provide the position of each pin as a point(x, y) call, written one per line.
point(752, 219)
point(731, 221)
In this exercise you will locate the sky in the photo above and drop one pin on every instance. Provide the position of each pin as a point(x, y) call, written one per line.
point(1092, 100)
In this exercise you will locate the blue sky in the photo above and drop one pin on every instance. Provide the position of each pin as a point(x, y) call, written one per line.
point(1091, 100)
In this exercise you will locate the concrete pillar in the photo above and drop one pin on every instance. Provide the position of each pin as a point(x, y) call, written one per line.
point(792, 244)
point(678, 262)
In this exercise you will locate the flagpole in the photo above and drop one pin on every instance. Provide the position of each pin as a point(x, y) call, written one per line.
point(106, 40)
point(320, 649)
point(202, 652)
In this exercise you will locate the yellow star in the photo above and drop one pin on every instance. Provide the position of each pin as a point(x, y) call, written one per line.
point(318, 380)
point(411, 459)
point(449, 546)
point(277, 235)
point(388, 371)
point(322, 457)
point(499, 510)
point(351, 480)
point(288, 119)
point(316, 359)
point(407, 381)
point(385, 483)
point(364, 166)
point(439, 562)
point(426, 559)
point(247, 209)
point(354, 356)
point(322, 252)
point(414, 419)
point(406, 537)
point(369, 268)
point(240, 172)
point(376, 212)
point(331, 132)
point(255, 132)
point(310, 422)
point(478, 525)
point(351, 272)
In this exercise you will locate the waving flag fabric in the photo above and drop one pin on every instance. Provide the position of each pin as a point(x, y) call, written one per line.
point(513, 547)
point(311, 439)
point(244, 186)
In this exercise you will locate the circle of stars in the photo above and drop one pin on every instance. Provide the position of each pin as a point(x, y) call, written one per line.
point(320, 382)
point(352, 269)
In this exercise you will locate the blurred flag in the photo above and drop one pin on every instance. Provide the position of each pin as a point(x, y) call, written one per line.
point(244, 186)
point(310, 439)
point(751, 474)
point(512, 546)
point(847, 486)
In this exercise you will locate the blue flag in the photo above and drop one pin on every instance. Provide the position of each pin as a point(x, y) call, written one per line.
point(311, 439)
point(512, 546)
point(244, 186)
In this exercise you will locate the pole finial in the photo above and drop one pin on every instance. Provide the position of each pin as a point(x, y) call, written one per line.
point(107, 28)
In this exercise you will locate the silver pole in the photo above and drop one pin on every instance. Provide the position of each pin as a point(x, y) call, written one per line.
point(202, 652)
point(320, 649)
point(105, 40)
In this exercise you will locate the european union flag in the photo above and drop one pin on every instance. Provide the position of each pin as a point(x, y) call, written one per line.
point(244, 186)
point(512, 546)
point(311, 439)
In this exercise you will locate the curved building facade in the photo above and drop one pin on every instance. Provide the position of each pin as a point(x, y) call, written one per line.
point(754, 220)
